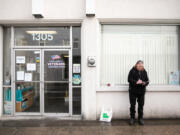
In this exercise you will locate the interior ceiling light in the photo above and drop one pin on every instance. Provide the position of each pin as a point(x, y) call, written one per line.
point(66, 56)
point(41, 32)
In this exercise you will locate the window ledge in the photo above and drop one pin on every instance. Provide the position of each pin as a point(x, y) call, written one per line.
point(155, 88)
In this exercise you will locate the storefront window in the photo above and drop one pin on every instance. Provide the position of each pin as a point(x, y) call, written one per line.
point(76, 101)
point(7, 72)
point(123, 45)
point(76, 56)
point(42, 36)
point(38, 77)
point(76, 79)
point(7, 56)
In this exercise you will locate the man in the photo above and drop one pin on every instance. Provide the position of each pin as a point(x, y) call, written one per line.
point(138, 80)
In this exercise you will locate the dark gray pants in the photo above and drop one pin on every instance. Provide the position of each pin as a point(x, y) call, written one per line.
point(140, 99)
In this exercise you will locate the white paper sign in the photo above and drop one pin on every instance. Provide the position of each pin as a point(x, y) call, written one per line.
point(28, 77)
point(31, 67)
point(76, 68)
point(20, 75)
point(20, 59)
point(36, 52)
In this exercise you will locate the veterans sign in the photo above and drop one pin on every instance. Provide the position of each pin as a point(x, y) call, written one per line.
point(56, 62)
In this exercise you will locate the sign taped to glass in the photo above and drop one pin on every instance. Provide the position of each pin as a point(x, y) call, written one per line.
point(56, 62)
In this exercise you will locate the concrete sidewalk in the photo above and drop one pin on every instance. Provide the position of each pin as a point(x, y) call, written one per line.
point(61, 127)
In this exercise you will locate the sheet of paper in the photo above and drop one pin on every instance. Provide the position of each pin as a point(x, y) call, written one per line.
point(31, 67)
point(28, 77)
point(76, 68)
point(20, 75)
point(20, 59)
point(36, 52)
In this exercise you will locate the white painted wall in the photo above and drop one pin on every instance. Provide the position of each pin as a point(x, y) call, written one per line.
point(65, 9)
point(15, 9)
point(157, 9)
point(157, 104)
point(89, 44)
point(53, 9)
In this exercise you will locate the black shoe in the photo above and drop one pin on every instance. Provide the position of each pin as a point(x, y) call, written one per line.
point(141, 121)
point(132, 121)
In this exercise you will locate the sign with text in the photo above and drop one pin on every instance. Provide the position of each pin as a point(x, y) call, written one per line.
point(43, 36)
point(56, 62)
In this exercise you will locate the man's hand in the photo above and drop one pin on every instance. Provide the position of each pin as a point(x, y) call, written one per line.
point(139, 82)
point(143, 83)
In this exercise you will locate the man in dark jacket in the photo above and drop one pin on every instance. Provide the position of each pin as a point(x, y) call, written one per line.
point(138, 80)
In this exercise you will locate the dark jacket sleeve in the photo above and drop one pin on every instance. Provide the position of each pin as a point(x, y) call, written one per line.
point(146, 78)
point(130, 78)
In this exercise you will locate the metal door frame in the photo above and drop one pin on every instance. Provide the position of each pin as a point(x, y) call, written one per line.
point(41, 83)
point(70, 84)
point(14, 81)
point(41, 49)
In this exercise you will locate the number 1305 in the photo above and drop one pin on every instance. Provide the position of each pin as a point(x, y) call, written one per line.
point(40, 36)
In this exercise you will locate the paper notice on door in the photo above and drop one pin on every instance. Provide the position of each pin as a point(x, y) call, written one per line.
point(28, 77)
point(20, 59)
point(76, 68)
point(20, 76)
point(31, 67)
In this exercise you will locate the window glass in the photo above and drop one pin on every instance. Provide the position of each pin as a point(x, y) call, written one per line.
point(123, 45)
point(76, 79)
point(7, 102)
point(27, 77)
point(42, 36)
point(7, 56)
point(76, 101)
point(27, 97)
point(56, 65)
point(76, 35)
point(27, 62)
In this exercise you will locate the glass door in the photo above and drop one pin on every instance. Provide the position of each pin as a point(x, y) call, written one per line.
point(42, 82)
point(27, 86)
point(56, 65)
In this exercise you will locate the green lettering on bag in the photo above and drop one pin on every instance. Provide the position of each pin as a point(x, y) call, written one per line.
point(105, 115)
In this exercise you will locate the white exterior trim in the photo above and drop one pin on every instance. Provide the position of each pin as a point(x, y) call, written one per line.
point(43, 22)
point(139, 21)
point(1, 71)
point(152, 88)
